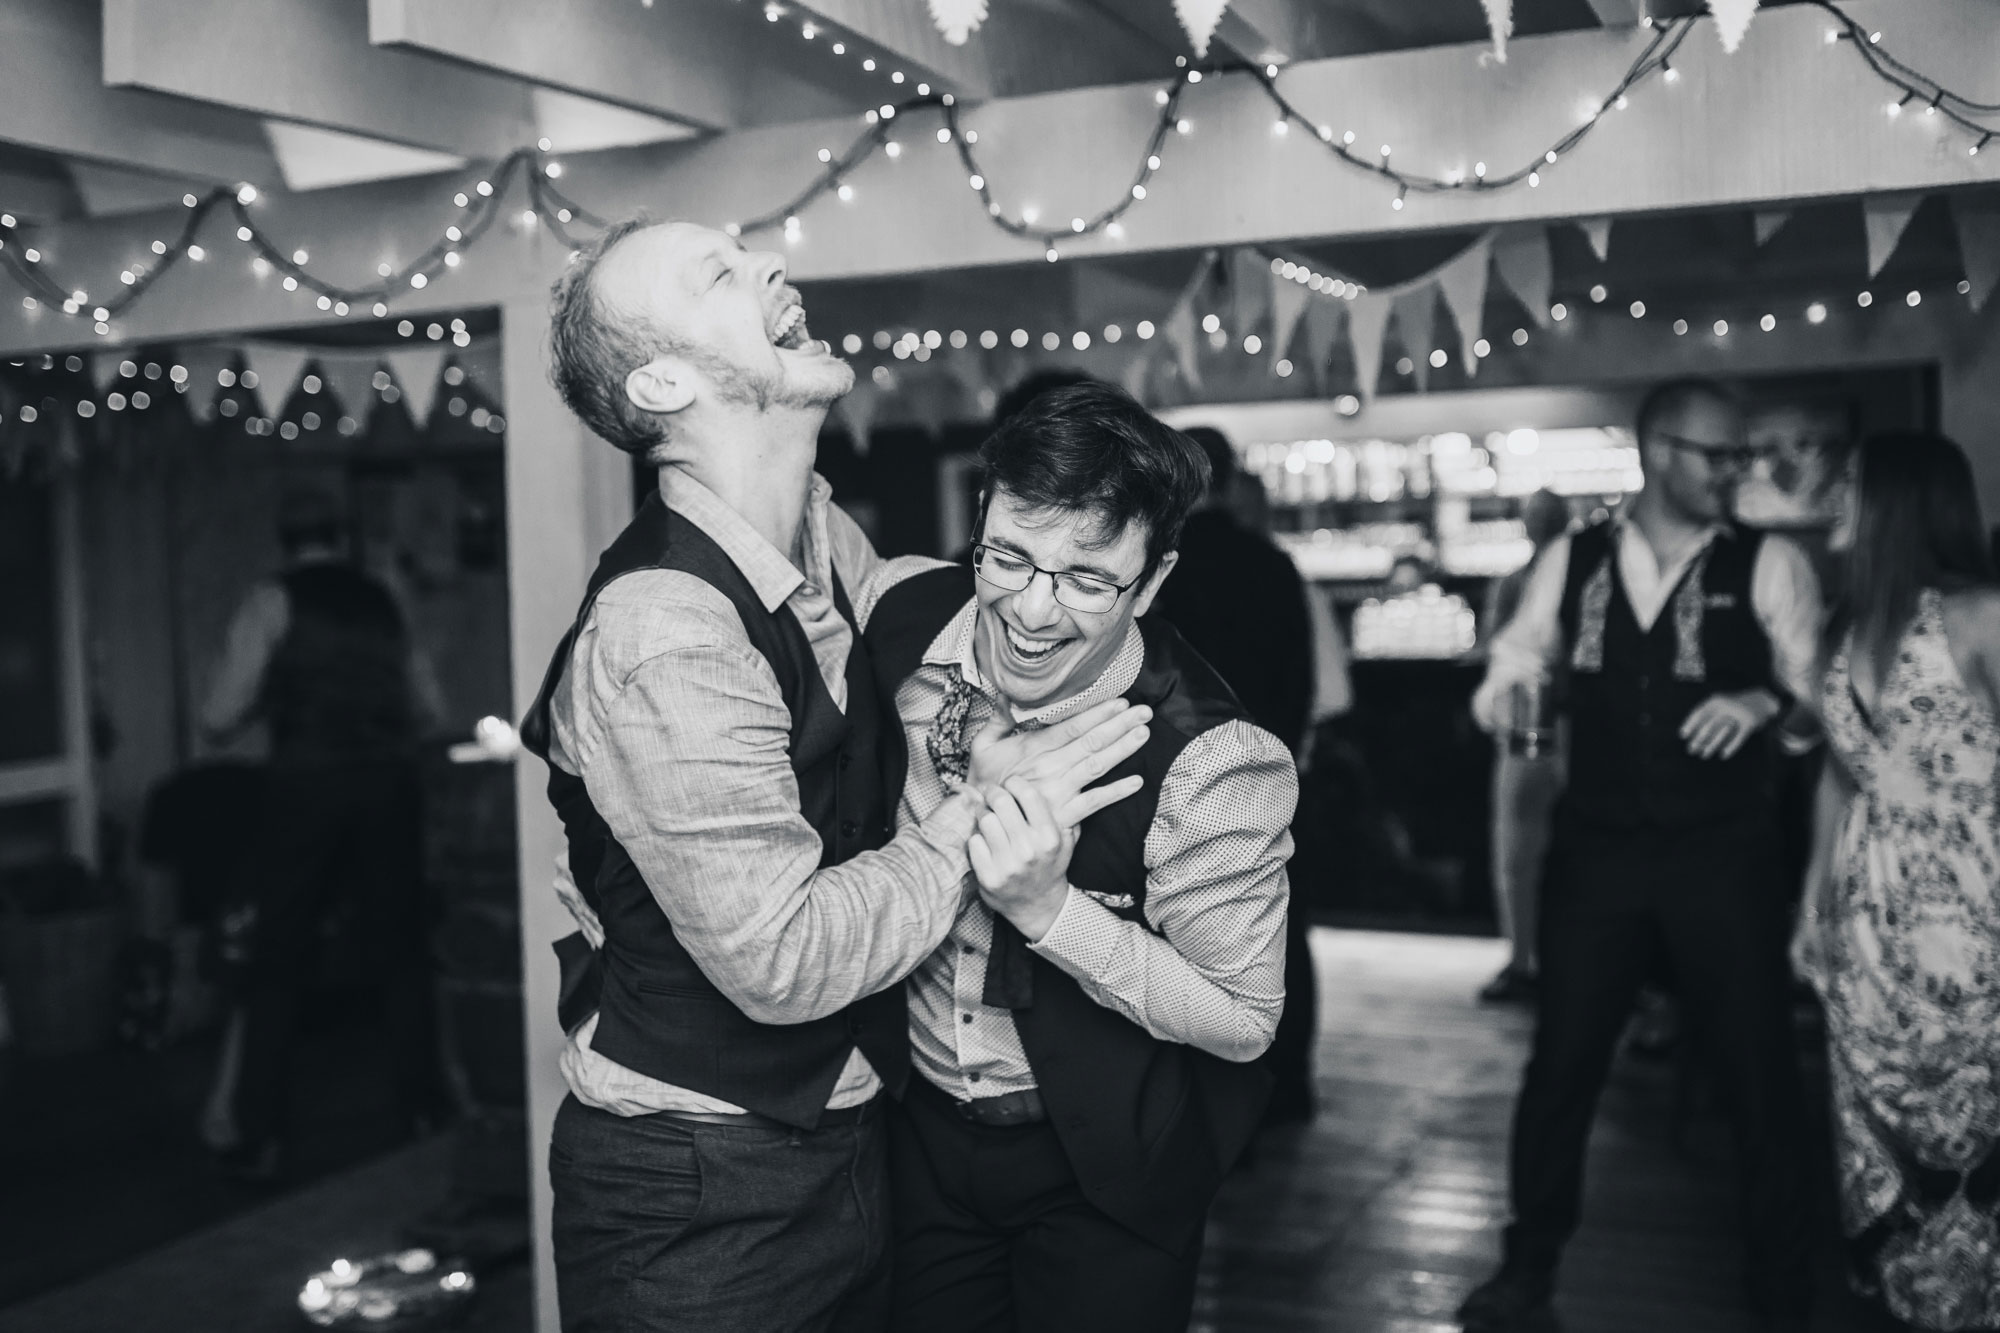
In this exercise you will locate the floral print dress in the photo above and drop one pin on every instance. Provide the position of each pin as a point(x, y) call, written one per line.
point(1912, 985)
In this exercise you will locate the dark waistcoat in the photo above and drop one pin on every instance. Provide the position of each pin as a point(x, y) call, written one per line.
point(1149, 1126)
point(338, 686)
point(1631, 689)
point(657, 1012)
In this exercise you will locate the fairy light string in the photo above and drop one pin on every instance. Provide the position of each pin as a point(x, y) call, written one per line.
point(554, 210)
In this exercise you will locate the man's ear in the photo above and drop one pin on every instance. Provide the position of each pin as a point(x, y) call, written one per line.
point(662, 385)
point(1144, 601)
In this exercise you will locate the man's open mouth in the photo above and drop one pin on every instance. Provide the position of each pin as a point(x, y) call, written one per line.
point(789, 332)
point(1032, 650)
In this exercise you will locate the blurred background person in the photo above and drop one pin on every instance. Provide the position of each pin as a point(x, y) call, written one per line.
point(1525, 786)
point(1900, 927)
point(322, 656)
point(1241, 603)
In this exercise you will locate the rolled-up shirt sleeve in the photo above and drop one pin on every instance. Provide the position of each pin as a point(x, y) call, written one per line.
point(1528, 647)
point(1785, 596)
point(685, 756)
point(1210, 973)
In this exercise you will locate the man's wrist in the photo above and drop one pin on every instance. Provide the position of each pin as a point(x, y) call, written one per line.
point(1038, 917)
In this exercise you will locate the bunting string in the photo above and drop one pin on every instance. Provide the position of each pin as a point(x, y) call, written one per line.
point(553, 209)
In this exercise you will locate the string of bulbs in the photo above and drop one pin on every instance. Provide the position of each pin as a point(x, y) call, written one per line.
point(551, 208)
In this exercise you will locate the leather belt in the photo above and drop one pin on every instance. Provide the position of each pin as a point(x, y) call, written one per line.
point(828, 1119)
point(1012, 1108)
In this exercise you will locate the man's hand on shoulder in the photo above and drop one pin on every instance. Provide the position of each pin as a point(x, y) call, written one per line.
point(1060, 762)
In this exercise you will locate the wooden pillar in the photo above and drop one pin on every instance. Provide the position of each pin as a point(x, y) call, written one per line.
point(568, 493)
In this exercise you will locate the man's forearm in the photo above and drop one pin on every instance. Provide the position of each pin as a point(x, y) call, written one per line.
point(1128, 969)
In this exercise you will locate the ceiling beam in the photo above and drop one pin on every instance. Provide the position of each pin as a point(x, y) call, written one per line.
point(683, 63)
point(52, 99)
point(310, 61)
point(1787, 117)
point(1268, 30)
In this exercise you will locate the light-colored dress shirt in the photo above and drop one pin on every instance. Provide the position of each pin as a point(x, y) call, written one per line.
point(679, 730)
point(1784, 597)
point(1211, 971)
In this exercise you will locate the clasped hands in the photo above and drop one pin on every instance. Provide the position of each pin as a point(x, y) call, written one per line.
point(1037, 788)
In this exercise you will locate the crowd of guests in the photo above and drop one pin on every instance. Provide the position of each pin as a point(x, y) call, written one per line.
point(1690, 654)
point(936, 956)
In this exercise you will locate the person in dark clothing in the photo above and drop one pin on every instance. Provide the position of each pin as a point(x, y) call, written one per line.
point(1683, 636)
point(321, 655)
point(1240, 602)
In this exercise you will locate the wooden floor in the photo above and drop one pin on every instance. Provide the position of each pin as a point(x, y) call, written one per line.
point(1386, 1211)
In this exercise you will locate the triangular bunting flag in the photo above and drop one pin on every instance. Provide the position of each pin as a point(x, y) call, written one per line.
point(1500, 19)
point(350, 376)
point(1977, 218)
point(1416, 317)
point(204, 362)
point(277, 367)
point(1135, 375)
point(1288, 302)
point(1463, 282)
point(1885, 216)
point(1522, 257)
point(1598, 232)
point(1178, 329)
point(1322, 332)
point(1199, 18)
point(857, 413)
point(1249, 290)
point(481, 362)
point(1367, 320)
point(1766, 222)
point(1732, 20)
point(416, 370)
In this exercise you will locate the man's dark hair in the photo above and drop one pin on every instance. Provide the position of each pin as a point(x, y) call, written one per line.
point(593, 346)
point(1026, 390)
point(1091, 448)
point(1221, 457)
point(1665, 400)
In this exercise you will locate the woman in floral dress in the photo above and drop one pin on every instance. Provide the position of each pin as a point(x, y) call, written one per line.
point(1900, 930)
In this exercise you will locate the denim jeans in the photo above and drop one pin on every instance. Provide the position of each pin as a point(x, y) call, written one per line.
point(663, 1224)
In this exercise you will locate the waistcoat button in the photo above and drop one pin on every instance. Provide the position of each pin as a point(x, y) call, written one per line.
point(848, 828)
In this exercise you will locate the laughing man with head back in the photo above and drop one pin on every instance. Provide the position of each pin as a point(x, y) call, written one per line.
point(722, 769)
point(1086, 1040)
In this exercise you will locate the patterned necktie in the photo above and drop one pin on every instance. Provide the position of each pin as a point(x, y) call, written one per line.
point(1010, 979)
point(947, 741)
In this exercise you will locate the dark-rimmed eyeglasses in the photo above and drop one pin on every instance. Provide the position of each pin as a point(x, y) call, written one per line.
point(1715, 455)
point(1078, 592)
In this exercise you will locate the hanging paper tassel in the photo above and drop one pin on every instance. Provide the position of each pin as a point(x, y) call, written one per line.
point(1200, 18)
point(1500, 18)
point(1732, 20)
point(957, 19)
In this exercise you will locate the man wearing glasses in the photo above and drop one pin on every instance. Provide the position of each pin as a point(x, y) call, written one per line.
point(1086, 1038)
point(1682, 637)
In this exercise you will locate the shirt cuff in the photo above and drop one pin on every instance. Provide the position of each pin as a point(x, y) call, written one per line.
point(1077, 934)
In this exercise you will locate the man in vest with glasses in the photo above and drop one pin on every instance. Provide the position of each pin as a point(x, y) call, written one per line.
point(1683, 637)
point(1086, 1038)
point(717, 754)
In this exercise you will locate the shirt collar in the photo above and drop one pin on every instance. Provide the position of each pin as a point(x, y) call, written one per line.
point(953, 647)
point(771, 573)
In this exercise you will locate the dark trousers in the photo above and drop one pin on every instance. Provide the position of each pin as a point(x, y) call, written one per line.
point(994, 1235)
point(662, 1224)
point(332, 835)
point(1713, 899)
point(1291, 1055)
